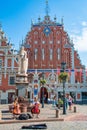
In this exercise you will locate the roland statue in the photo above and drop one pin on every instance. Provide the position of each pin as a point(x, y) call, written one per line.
point(23, 61)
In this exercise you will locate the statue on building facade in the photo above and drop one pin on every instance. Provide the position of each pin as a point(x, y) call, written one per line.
point(23, 61)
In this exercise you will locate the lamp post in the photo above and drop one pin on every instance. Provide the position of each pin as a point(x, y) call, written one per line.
point(43, 96)
point(42, 82)
point(63, 65)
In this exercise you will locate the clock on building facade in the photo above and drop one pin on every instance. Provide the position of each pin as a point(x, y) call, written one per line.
point(47, 31)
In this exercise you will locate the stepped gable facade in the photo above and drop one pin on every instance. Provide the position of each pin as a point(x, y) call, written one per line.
point(8, 69)
point(48, 45)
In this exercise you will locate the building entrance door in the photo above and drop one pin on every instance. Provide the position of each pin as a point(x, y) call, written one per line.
point(84, 97)
point(10, 97)
point(45, 94)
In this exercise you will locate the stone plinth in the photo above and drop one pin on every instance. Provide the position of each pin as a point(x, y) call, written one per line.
point(22, 79)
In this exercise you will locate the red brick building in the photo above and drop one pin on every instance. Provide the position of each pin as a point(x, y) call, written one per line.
point(8, 68)
point(50, 45)
point(47, 45)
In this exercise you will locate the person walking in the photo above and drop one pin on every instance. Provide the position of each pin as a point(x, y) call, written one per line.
point(70, 102)
point(55, 102)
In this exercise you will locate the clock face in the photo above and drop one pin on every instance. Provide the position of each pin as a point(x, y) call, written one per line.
point(47, 31)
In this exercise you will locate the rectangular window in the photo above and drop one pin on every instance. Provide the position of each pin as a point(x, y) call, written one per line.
point(43, 42)
point(58, 42)
point(51, 42)
point(35, 53)
point(12, 81)
point(51, 54)
point(0, 64)
point(43, 54)
point(35, 42)
point(58, 54)
point(0, 42)
point(0, 79)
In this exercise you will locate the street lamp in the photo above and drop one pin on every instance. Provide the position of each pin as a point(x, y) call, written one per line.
point(63, 66)
point(42, 81)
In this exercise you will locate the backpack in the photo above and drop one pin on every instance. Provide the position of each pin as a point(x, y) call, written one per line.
point(23, 117)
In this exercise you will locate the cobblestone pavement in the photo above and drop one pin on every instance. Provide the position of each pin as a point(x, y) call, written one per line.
point(78, 125)
point(72, 121)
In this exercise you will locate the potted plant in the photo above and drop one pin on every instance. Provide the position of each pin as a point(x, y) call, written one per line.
point(63, 76)
point(43, 81)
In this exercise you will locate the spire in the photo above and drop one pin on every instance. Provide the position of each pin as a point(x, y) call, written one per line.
point(39, 19)
point(62, 20)
point(55, 19)
point(22, 42)
point(47, 8)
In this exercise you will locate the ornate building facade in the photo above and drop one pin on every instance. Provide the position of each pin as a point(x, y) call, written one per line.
point(8, 69)
point(47, 46)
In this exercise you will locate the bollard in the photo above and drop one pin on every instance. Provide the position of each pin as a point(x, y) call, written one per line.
point(57, 113)
point(75, 109)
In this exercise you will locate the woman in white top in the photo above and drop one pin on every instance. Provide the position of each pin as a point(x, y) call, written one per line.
point(70, 102)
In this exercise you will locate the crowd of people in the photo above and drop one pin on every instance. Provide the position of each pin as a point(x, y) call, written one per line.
point(59, 102)
point(35, 106)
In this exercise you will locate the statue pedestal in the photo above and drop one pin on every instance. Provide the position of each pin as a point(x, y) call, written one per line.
point(22, 78)
point(22, 84)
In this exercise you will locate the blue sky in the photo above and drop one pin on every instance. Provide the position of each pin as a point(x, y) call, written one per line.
point(16, 16)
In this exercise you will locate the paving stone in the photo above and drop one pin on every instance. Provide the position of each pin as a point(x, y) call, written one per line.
point(72, 121)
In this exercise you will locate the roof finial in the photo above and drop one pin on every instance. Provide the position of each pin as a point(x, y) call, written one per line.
point(62, 20)
point(22, 42)
point(55, 18)
point(39, 19)
point(47, 8)
point(0, 25)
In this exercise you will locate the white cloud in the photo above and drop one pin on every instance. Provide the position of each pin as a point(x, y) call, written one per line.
point(80, 40)
point(75, 31)
point(84, 23)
